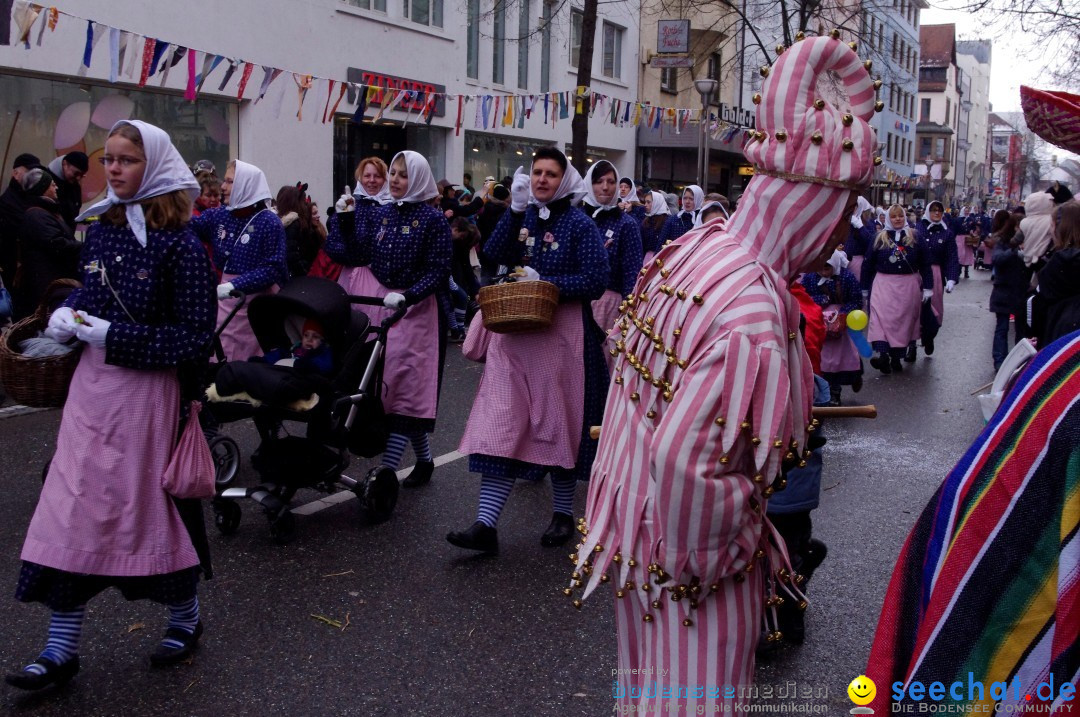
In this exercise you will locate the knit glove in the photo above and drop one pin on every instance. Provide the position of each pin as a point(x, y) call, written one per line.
point(949, 286)
point(927, 294)
point(224, 290)
point(62, 325)
point(519, 190)
point(527, 273)
point(92, 330)
point(393, 300)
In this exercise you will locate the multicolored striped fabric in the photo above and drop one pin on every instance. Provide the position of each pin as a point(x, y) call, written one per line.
point(988, 582)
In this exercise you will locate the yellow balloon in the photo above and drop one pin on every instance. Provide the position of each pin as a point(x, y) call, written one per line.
point(857, 320)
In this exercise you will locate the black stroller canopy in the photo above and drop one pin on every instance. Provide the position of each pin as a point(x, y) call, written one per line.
point(307, 297)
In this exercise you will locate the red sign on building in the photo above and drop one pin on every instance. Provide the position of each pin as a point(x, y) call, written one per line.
point(392, 83)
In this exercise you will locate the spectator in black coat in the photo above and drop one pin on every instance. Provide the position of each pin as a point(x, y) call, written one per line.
point(13, 204)
point(1011, 281)
point(1056, 304)
point(68, 172)
point(495, 206)
point(48, 249)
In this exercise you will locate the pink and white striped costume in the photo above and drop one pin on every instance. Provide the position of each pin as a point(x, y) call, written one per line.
point(711, 392)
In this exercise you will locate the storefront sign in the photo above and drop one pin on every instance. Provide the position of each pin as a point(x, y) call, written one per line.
point(902, 127)
point(664, 62)
point(737, 116)
point(394, 83)
point(673, 36)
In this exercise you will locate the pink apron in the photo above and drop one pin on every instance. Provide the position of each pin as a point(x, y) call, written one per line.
point(605, 311)
point(965, 253)
point(411, 369)
point(855, 266)
point(937, 301)
point(238, 340)
point(102, 509)
point(839, 354)
point(895, 304)
point(529, 406)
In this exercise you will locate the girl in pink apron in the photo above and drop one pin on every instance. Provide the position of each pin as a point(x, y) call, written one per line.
point(401, 251)
point(249, 249)
point(541, 391)
point(622, 239)
point(103, 519)
point(836, 290)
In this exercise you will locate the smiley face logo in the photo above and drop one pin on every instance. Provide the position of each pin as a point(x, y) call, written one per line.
point(862, 690)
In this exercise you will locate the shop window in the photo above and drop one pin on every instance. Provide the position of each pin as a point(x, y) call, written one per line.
point(423, 12)
point(379, 5)
point(924, 148)
point(613, 42)
point(35, 120)
point(576, 19)
point(924, 111)
point(716, 61)
point(472, 40)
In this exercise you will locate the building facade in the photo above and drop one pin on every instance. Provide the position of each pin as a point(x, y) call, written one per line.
point(974, 59)
point(289, 127)
point(939, 114)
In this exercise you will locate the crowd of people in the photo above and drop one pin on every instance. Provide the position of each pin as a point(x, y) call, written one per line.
point(692, 333)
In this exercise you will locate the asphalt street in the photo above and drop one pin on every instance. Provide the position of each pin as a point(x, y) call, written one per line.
point(429, 630)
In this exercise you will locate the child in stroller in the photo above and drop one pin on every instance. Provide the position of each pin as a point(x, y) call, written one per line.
point(340, 407)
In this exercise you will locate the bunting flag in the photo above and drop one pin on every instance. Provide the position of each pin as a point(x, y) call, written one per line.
point(268, 77)
point(495, 114)
point(564, 105)
point(88, 50)
point(457, 122)
point(248, 68)
point(147, 59)
point(114, 54)
point(209, 64)
point(133, 55)
point(159, 50)
point(54, 18)
point(361, 106)
point(25, 14)
point(233, 64)
point(388, 97)
point(326, 107)
point(341, 94)
point(189, 91)
point(41, 29)
point(178, 54)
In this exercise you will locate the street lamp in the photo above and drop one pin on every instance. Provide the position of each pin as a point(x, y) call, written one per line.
point(706, 88)
point(929, 178)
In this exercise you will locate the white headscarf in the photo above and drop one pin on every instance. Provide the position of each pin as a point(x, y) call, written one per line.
point(383, 197)
point(861, 205)
point(572, 186)
point(838, 261)
point(699, 199)
point(249, 186)
point(631, 196)
point(698, 214)
point(422, 185)
point(659, 205)
point(590, 197)
point(166, 171)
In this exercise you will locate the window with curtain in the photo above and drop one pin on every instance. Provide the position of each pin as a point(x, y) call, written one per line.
point(524, 12)
point(423, 12)
point(715, 63)
point(613, 41)
point(576, 19)
point(669, 79)
point(498, 42)
point(472, 40)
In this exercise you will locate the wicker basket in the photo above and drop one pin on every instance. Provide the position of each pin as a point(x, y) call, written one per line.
point(40, 382)
point(518, 306)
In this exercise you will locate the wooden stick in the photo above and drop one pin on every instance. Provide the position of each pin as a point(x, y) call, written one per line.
point(11, 134)
point(869, 411)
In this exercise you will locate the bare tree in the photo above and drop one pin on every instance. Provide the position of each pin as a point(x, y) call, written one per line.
point(1051, 29)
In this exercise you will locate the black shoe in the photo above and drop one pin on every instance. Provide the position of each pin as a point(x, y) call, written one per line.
point(457, 336)
point(967, 273)
point(164, 656)
point(54, 674)
point(856, 383)
point(897, 366)
point(928, 346)
point(559, 532)
point(419, 475)
point(478, 537)
point(812, 558)
point(881, 363)
point(834, 395)
point(910, 355)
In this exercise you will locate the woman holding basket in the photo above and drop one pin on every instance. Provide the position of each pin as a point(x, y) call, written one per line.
point(104, 519)
point(529, 418)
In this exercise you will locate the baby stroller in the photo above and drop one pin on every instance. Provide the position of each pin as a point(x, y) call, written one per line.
point(342, 411)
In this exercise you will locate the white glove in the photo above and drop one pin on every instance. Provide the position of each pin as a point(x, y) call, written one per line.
point(345, 203)
point(527, 273)
point(949, 286)
point(62, 325)
point(393, 300)
point(93, 330)
point(519, 190)
point(865, 296)
point(927, 294)
point(223, 290)
point(856, 222)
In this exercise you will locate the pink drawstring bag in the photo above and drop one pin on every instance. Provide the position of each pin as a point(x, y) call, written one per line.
point(190, 473)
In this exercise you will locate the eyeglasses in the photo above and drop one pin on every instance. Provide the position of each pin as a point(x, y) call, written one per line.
point(124, 162)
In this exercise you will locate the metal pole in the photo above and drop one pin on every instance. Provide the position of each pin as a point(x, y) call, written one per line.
point(704, 170)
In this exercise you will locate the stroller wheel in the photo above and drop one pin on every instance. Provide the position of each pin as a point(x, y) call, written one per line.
point(283, 526)
point(378, 494)
point(226, 460)
point(226, 516)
